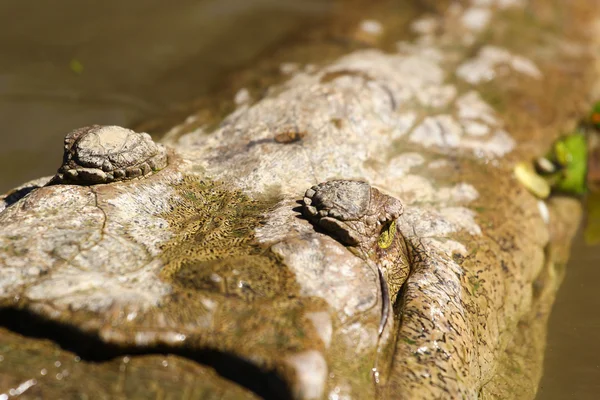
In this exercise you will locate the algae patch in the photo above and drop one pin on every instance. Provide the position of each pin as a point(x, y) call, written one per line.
point(214, 248)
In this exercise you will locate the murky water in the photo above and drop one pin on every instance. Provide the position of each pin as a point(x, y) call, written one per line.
point(122, 62)
point(572, 364)
point(76, 62)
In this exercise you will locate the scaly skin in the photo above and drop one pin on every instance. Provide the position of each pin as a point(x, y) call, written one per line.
point(104, 154)
point(364, 219)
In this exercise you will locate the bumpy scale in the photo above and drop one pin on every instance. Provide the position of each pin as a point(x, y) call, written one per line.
point(363, 218)
point(103, 154)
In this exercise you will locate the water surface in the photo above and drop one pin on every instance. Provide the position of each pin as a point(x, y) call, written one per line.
point(572, 363)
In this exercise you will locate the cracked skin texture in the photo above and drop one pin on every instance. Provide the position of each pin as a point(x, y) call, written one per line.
point(465, 310)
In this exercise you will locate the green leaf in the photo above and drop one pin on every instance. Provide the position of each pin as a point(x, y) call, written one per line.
point(571, 153)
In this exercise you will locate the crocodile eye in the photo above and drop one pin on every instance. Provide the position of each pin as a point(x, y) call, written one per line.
point(387, 235)
point(105, 154)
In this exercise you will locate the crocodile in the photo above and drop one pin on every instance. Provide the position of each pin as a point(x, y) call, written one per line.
point(403, 256)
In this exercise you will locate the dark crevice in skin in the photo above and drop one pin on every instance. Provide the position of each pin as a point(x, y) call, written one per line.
point(385, 299)
point(266, 384)
point(398, 305)
point(398, 314)
point(415, 251)
point(18, 195)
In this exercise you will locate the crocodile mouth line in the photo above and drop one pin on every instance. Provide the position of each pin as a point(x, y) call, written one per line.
point(266, 384)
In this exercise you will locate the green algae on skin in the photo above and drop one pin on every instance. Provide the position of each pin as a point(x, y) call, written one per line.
point(214, 248)
point(476, 284)
point(238, 296)
point(117, 378)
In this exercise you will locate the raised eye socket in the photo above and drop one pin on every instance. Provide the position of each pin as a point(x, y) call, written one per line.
point(387, 235)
